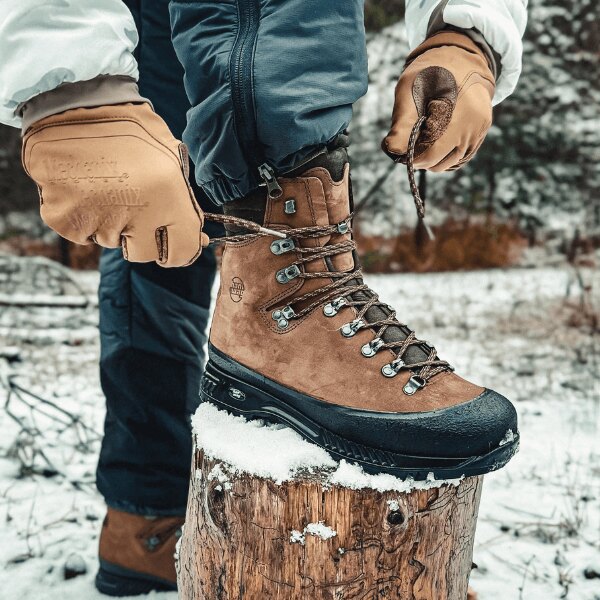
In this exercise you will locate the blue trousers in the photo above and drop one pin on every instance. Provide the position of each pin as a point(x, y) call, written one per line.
point(262, 82)
point(153, 327)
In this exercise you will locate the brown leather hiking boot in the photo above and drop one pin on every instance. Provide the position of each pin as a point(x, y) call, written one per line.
point(298, 338)
point(137, 554)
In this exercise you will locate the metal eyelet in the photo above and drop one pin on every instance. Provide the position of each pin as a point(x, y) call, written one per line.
point(392, 369)
point(372, 347)
point(283, 316)
point(152, 543)
point(332, 309)
point(289, 207)
point(413, 384)
point(343, 227)
point(286, 275)
point(282, 246)
point(349, 329)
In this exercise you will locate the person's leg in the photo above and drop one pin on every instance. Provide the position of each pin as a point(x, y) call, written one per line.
point(153, 333)
point(153, 325)
point(272, 83)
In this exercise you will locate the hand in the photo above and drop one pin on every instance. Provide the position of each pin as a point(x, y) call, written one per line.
point(116, 176)
point(447, 80)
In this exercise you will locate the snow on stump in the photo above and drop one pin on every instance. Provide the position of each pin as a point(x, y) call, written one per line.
point(271, 516)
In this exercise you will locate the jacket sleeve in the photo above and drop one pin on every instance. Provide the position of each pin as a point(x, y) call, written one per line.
point(45, 43)
point(500, 22)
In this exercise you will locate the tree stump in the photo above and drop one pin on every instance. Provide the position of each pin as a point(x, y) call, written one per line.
point(248, 538)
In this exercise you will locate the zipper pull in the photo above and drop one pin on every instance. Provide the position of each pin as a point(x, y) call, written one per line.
point(267, 174)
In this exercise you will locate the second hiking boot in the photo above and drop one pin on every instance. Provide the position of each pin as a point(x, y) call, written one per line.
point(137, 554)
point(298, 338)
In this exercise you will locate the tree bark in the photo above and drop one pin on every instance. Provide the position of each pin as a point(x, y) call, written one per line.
point(237, 543)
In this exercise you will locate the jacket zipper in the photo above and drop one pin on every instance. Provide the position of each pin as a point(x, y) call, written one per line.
point(267, 173)
point(241, 66)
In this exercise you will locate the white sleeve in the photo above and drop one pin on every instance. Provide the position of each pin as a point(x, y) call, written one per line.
point(501, 22)
point(44, 43)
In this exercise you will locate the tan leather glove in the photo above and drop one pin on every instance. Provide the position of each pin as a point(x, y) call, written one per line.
point(116, 176)
point(448, 80)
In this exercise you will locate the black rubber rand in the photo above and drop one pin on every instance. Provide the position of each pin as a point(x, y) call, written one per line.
point(114, 580)
point(465, 440)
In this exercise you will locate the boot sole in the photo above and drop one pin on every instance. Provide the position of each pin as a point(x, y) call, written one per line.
point(116, 581)
point(241, 398)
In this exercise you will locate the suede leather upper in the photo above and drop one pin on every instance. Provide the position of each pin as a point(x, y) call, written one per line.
point(141, 544)
point(311, 356)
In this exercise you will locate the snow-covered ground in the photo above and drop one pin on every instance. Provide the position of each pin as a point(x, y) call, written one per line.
point(539, 526)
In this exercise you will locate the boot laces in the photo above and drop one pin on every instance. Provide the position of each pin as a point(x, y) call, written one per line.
point(347, 289)
point(344, 290)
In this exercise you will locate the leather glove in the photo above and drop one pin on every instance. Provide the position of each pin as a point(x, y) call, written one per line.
point(116, 176)
point(448, 81)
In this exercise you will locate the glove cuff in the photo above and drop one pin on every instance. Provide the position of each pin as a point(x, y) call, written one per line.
point(449, 38)
point(104, 90)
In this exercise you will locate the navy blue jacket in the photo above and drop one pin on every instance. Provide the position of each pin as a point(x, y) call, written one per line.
point(270, 82)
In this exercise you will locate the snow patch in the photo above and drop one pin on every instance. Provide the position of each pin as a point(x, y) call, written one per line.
point(352, 476)
point(75, 565)
point(178, 545)
point(297, 537)
point(319, 530)
point(253, 447)
point(393, 505)
point(508, 438)
point(278, 453)
point(219, 474)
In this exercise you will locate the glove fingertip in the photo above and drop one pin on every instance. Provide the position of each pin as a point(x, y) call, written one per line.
point(395, 154)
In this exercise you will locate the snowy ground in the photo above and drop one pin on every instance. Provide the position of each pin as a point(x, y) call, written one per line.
point(539, 527)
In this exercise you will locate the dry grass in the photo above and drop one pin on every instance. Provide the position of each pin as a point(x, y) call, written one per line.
point(459, 245)
point(71, 255)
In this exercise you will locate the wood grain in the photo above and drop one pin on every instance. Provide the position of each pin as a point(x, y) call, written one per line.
point(236, 542)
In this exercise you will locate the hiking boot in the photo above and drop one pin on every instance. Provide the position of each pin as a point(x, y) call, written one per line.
point(137, 554)
point(298, 338)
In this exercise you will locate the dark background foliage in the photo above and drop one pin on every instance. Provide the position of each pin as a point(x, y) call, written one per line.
point(540, 166)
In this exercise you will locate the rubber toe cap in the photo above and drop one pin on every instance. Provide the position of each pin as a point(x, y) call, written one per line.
point(465, 430)
point(473, 428)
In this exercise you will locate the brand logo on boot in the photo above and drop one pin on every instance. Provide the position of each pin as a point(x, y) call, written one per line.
point(236, 290)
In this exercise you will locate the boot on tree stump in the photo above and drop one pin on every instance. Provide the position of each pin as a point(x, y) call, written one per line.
point(299, 338)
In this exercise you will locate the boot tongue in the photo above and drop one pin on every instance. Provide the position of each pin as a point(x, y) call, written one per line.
point(393, 333)
point(334, 161)
point(332, 168)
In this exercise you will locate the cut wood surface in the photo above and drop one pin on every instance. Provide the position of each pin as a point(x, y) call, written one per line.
point(248, 538)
